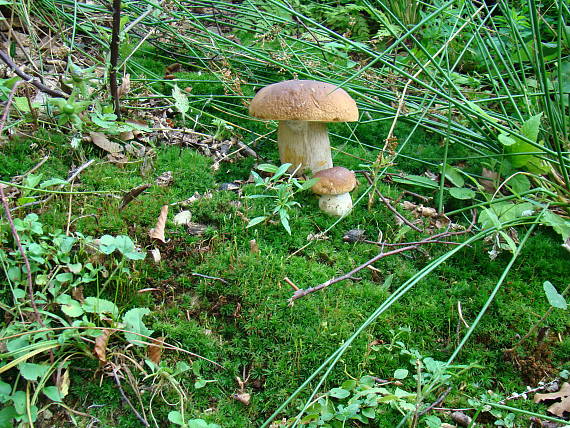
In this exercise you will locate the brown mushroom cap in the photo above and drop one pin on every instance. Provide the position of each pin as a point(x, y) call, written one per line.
point(304, 100)
point(334, 181)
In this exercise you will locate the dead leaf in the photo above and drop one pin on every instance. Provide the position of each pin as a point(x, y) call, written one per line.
point(489, 180)
point(560, 407)
point(155, 252)
point(155, 349)
point(183, 218)
point(117, 158)
point(101, 342)
point(253, 247)
point(133, 193)
point(197, 229)
point(173, 68)
point(164, 179)
point(63, 384)
point(101, 141)
point(77, 293)
point(243, 398)
point(125, 86)
point(158, 231)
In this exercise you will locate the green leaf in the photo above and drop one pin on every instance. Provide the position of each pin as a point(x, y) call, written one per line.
point(559, 224)
point(133, 321)
point(265, 167)
point(75, 267)
point(52, 182)
point(531, 127)
point(5, 390)
point(180, 100)
point(400, 374)
point(95, 305)
point(339, 393)
point(7, 414)
point(255, 221)
point(280, 171)
point(284, 217)
point(52, 393)
point(309, 183)
point(416, 180)
point(64, 277)
point(519, 183)
point(72, 309)
point(176, 417)
point(505, 140)
point(454, 176)
point(461, 193)
point(19, 400)
point(32, 371)
point(554, 298)
point(107, 244)
point(200, 383)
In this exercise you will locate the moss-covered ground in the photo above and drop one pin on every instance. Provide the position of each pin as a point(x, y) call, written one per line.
point(244, 322)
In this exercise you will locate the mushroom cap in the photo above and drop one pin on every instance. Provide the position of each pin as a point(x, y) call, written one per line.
point(304, 100)
point(334, 181)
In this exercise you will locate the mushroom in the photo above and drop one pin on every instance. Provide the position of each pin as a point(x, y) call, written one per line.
point(302, 108)
point(334, 186)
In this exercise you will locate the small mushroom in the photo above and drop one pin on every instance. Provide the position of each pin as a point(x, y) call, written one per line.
point(302, 108)
point(334, 186)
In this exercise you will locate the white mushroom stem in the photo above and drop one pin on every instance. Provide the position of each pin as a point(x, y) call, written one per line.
point(304, 143)
point(337, 205)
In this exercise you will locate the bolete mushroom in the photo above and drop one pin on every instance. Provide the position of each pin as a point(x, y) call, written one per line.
point(302, 108)
point(334, 186)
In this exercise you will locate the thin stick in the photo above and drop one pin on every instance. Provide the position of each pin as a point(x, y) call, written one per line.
point(24, 256)
point(115, 57)
point(6, 58)
point(410, 246)
point(209, 277)
point(389, 206)
point(436, 403)
point(137, 414)
point(291, 283)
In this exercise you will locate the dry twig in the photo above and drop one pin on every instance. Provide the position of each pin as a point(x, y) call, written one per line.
point(407, 246)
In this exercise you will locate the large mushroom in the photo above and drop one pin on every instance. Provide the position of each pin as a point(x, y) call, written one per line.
point(303, 107)
point(333, 187)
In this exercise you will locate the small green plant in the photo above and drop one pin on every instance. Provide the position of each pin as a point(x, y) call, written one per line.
point(283, 188)
point(47, 321)
point(366, 399)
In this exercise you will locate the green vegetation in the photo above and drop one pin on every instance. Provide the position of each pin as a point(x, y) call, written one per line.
point(463, 131)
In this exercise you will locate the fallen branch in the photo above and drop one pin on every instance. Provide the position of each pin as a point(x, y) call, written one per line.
point(407, 246)
point(30, 79)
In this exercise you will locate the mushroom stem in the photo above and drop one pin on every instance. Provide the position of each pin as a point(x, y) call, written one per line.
point(337, 205)
point(304, 143)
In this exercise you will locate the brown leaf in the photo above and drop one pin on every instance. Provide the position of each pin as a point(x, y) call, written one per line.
point(101, 342)
point(158, 231)
point(164, 179)
point(125, 86)
point(173, 68)
point(63, 384)
point(133, 193)
point(101, 141)
point(489, 180)
point(155, 349)
point(77, 293)
point(560, 407)
point(243, 398)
